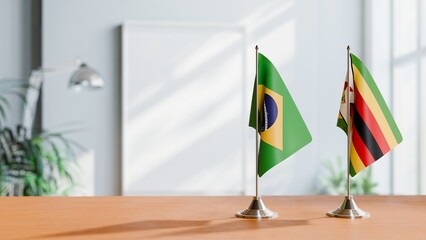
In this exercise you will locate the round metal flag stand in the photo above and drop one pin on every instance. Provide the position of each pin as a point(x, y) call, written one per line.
point(257, 209)
point(349, 209)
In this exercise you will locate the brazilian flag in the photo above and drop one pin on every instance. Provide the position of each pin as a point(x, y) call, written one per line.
point(280, 125)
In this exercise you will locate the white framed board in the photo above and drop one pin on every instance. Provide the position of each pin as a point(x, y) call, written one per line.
point(183, 109)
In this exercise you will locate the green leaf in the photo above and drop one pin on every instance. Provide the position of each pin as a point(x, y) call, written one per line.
point(2, 113)
point(30, 182)
point(48, 161)
point(4, 101)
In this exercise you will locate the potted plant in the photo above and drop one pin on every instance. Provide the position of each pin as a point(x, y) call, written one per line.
point(32, 166)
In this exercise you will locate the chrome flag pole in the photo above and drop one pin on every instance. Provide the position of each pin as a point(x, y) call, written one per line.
point(348, 209)
point(257, 208)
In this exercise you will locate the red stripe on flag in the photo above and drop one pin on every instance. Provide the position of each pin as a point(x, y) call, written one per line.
point(362, 150)
point(369, 120)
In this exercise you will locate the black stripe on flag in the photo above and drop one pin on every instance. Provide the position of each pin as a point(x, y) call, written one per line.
point(366, 135)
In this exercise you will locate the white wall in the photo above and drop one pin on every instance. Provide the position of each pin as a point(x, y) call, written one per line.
point(15, 48)
point(305, 39)
point(393, 43)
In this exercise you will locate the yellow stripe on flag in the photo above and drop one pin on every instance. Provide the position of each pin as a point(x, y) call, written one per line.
point(374, 107)
point(355, 160)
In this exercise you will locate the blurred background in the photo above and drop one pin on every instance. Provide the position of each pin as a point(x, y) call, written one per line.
point(172, 115)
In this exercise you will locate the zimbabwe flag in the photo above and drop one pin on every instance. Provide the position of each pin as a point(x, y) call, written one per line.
point(281, 127)
point(374, 131)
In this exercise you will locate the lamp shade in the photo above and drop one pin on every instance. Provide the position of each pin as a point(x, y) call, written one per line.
point(87, 78)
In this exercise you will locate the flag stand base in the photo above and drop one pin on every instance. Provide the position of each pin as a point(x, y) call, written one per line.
point(257, 209)
point(349, 209)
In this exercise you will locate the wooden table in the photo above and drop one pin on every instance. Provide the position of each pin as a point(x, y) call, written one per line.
point(301, 217)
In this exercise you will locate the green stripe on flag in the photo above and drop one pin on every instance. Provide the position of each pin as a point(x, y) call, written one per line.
point(378, 96)
point(342, 124)
point(352, 171)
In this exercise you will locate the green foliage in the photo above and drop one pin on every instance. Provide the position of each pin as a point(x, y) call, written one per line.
point(36, 166)
point(334, 181)
point(41, 165)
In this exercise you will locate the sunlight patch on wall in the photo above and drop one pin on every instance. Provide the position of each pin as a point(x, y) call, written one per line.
point(184, 119)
